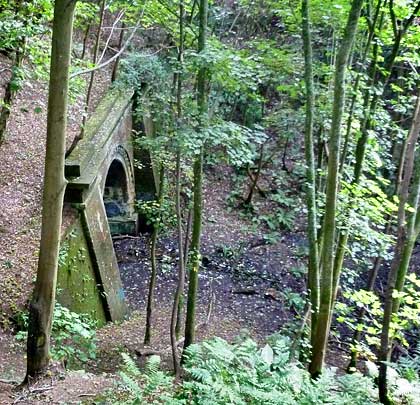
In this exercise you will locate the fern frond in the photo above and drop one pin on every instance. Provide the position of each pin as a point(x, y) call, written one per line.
point(130, 367)
point(130, 385)
point(152, 365)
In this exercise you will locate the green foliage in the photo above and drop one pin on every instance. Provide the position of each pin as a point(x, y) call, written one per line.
point(407, 317)
point(22, 20)
point(85, 13)
point(150, 387)
point(239, 143)
point(242, 373)
point(281, 219)
point(409, 365)
point(371, 323)
point(22, 25)
point(235, 72)
point(231, 251)
point(153, 212)
point(298, 271)
point(73, 336)
point(370, 210)
point(152, 76)
point(296, 300)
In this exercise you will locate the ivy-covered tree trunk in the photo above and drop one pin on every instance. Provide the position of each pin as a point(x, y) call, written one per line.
point(13, 84)
point(198, 187)
point(319, 343)
point(10, 91)
point(313, 273)
point(42, 304)
point(408, 231)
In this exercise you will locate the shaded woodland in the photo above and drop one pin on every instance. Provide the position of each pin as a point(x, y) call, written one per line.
point(277, 260)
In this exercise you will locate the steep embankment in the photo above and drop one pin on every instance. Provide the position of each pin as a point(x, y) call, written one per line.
point(21, 177)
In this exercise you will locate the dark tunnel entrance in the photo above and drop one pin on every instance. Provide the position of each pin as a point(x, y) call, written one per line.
point(117, 202)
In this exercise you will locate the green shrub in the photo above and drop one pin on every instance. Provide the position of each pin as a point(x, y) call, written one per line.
point(73, 336)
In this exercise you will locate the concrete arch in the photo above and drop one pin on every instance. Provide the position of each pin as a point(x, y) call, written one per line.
point(118, 193)
point(124, 157)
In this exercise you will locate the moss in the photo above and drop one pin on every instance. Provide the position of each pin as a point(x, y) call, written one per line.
point(76, 285)
point(108, 112)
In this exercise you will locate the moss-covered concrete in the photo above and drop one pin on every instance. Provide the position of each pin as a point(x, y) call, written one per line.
point(98, 236)
point(77, 287)
point(107, 142)
point(99, 131)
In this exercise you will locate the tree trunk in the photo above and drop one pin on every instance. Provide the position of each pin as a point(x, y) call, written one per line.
point(178, 325)
point(117, 62)
point(181, 271)
point(198, 187)
point(10, 90)
point(320, 159)
point(177, 305)
point(254, 180)
point(313, 269)
point(373, 273)
point(94, 60)
point(152, 282)
point(85, 41)
point(319, 343)
point(42, 304)
point(79, 137)
point(355, 89)
point(408, 230)
point(6, 107)
point(377, 76)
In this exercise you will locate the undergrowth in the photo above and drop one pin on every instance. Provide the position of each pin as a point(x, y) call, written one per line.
point(73, 336)
point(217, 372)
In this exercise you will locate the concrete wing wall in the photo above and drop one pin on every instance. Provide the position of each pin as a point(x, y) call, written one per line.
point(107, 139)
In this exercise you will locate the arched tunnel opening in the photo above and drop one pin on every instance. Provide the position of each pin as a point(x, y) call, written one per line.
point(120, 194)
point(119, 209)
